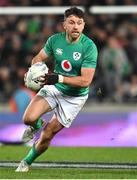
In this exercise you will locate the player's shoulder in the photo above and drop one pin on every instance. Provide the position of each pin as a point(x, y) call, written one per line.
point(57, 35)
point(87, 42)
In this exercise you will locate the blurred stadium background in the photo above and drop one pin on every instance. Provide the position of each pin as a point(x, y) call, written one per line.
point(109, 118)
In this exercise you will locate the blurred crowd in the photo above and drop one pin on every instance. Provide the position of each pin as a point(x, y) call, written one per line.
point(21, 38)
point(65, 3)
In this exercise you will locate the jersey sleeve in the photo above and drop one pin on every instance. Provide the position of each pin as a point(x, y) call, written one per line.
point(90, 56)
point(48, 46)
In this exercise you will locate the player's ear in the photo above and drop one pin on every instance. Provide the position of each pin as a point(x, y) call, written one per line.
point(64, 25)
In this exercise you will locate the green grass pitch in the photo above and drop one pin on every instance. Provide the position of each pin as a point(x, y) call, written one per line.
point(75, 154)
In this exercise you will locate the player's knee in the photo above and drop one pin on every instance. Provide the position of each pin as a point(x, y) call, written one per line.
point(29, 119)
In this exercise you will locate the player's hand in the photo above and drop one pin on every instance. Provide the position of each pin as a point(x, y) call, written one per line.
point(25, 75)
point(41, 80)
point(48, 79)
point(51, 79)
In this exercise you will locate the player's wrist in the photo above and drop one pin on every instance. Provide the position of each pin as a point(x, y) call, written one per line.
point(60, 78)
point(37, 62)
point(53, 78)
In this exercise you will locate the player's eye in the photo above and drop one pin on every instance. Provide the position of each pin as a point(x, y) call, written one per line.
point(79, 23)
point(71, 22)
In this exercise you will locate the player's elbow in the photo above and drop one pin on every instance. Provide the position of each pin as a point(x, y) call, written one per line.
point(85, 83)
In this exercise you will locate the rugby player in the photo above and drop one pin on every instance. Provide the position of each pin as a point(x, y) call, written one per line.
point(66, 90)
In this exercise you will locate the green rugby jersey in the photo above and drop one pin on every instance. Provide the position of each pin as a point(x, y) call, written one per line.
point(70, 58)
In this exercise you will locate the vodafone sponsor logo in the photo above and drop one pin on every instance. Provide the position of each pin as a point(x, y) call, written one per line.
point(66, 65)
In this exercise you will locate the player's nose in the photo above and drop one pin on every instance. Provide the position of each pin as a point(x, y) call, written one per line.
point(75, 26)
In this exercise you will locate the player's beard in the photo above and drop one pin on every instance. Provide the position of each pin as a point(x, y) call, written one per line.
point(75, 36)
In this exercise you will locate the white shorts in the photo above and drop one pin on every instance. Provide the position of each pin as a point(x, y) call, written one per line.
point(66, 107)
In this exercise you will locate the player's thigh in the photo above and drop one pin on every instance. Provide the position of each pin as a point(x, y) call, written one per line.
point(37, 107)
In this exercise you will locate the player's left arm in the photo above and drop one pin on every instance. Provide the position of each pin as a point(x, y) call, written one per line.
point(84, 80)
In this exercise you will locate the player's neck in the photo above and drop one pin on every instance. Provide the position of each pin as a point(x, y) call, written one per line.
point(71, 40)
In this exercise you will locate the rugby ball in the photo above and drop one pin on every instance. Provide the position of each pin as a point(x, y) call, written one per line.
point(34, 75)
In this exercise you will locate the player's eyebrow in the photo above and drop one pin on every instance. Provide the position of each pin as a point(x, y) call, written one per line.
point(77, 21)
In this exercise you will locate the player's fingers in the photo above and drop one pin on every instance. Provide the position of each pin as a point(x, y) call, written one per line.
point(41, 79)
point(42, 84)
point(25, 75)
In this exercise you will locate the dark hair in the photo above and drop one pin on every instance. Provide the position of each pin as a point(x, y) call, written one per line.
point(74, 11)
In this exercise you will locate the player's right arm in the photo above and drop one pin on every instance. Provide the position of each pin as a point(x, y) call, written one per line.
point(44, 53)
point(40, 57)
